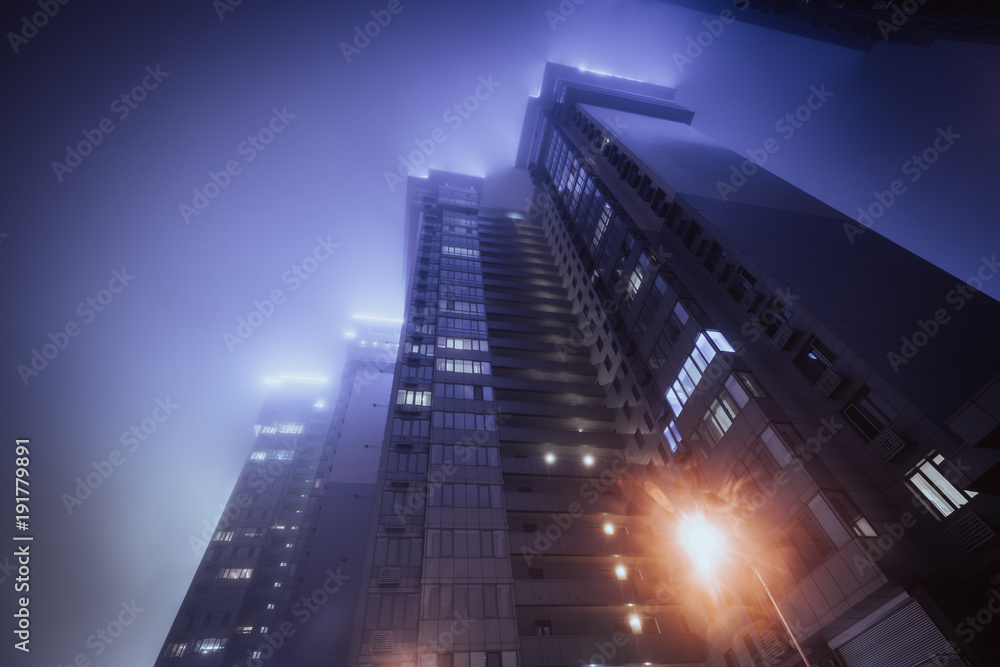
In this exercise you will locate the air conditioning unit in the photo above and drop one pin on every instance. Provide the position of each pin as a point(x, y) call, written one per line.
point(782, 336)
point(827, 383)
point(886, 445)
point(382, 641)
point(968, 531)
point(388, 576)
point(774, 648)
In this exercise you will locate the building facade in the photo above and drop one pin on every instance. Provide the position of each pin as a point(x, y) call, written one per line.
point(279, 578)
point(826, 395)
point(650, 339)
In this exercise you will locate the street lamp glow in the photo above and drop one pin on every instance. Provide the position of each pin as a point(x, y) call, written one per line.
point(703, 542)
point(621, 572)
point(550, 458)
point(609, 529)
point(588, 460)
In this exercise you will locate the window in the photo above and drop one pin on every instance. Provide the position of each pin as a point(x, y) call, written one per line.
point(849, 513)
point(175, 650)
point(705, 349)
point(235, 573)
point(536, 573)
point(463, 344)
point(409, 397)
point(244, 629)
point(290, 428)
point(258, 456)
point(816, 359)
point(803, 543)
point(742, 283)
point(543, 628)
point(463, 366)
point(209, 645)
point(928, 483)
point(730, 658)
point(464, 420)
point(223, 536)
point(869, 414)
point(720, 415)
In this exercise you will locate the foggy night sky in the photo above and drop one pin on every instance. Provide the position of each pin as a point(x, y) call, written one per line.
point(323, 175)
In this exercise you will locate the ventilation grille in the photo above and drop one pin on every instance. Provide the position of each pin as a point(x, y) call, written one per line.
point(968, 531)
point(827, 383)
point(886, 445)
point(388, 576)
point(382, 641)
point(782, 336)
point(773, 647)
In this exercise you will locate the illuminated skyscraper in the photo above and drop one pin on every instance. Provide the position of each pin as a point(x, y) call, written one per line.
point(280, 576)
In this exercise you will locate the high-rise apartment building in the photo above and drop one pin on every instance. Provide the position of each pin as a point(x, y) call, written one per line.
point(279, 579)
point(828, 396)
point(667, 333)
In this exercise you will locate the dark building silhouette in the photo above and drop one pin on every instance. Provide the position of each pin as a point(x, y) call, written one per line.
point(860, 24)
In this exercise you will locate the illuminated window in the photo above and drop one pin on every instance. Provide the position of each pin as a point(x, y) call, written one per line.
point(270, 605)
point(236, 573)
point(463, 366)
point(209, 645)
point(258, 456)
point(223, 536)
point(175, 650)
point(277, 584)
point(410, 397)
point(290, 428)
point(244, 629)
point(706, 346)
point(928, 483)
point(268, 429)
